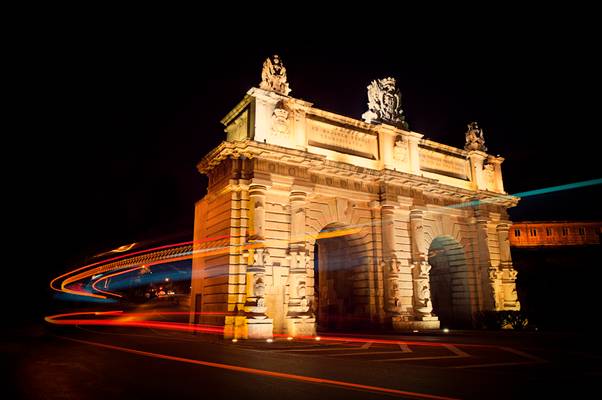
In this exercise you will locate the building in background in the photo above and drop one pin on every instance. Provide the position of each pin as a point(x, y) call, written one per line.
point(555, 233)
point(558, 264)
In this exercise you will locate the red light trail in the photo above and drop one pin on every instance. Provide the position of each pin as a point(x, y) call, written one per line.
point(126, 319)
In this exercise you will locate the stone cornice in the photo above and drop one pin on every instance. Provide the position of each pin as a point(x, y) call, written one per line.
point(320, 164)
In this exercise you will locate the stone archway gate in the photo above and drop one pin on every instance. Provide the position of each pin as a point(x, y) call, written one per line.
point(287, 170)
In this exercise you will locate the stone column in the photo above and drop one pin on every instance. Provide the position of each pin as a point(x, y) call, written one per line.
point(375, 268)
point(390, 264)
point(299, 318)
point(236, 324)
point(297, 203)
point(504, 243)
point(420, 273)
point(487, 272)
point(507, 275)
point(257, 207)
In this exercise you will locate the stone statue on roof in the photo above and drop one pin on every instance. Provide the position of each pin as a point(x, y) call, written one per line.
point(474, 138)
point(273, 76)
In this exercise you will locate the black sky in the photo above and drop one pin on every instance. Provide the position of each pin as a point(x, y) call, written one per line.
point(117, 120)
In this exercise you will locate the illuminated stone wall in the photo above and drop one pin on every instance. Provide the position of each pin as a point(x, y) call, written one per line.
point(289, 170)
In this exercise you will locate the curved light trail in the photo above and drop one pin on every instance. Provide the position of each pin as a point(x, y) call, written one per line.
point(130, 262)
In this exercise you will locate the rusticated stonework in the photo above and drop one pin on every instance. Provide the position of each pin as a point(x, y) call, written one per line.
point(321, 220)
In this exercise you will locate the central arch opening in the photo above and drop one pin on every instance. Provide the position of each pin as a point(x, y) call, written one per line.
point(449, 282)
point(341, 292)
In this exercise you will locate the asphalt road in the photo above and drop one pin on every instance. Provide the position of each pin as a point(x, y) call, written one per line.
point(50, 362)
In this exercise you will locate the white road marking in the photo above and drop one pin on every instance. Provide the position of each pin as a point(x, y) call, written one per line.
point(319, 348)
point(532, 360)
point(523, 354)
point(456, 350)
point(458, 354)
point(404, 348)
point(366, 353)
point(503, 364)
point(417, 358)
point(325, 348)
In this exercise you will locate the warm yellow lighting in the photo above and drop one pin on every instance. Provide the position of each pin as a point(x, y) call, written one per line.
point(270, 340)
point(445, 330)
point(289, 338)
point(234, 340)
point(415, 331)
point(318, 338)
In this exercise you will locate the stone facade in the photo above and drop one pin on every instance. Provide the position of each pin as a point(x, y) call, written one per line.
point(324, 220)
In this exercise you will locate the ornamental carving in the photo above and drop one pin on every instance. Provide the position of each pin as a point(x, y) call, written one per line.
point(384, 103)
point(280, 120)
point(267, 260)
point(258, 285)
point(489, 176)
point(400, 150)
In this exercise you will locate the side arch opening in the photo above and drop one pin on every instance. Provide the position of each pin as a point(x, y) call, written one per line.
point(449, 282)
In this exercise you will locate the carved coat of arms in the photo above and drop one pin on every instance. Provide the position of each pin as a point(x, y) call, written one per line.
point(384, 103)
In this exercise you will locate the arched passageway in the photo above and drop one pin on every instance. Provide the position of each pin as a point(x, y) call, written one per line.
point(449, 282)
point(341, 288)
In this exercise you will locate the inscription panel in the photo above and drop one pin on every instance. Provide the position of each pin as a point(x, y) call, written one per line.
point(340, 139)
point(444, 164)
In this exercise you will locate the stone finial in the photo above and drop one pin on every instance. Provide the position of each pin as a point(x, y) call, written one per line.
point(273, 76)
point(474, 138)
point(384, 103)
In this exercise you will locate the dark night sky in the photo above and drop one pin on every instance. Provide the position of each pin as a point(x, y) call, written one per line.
point(122, 118)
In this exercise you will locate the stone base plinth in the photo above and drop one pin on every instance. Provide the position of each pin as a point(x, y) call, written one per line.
point(249, 328)
point(301, 326)
point(259, 328)
point(425, 323)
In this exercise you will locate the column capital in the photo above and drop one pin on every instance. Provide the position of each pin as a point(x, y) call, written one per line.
point(387, 207)
point(503, 227)
point(416, 213)
point(298, 196)
point(256, 189)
